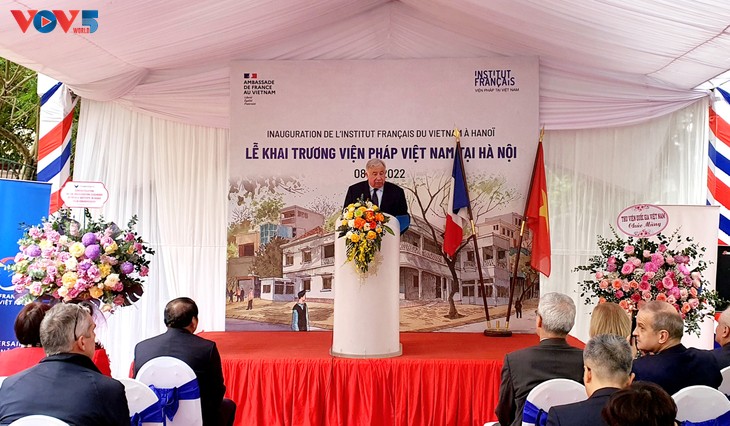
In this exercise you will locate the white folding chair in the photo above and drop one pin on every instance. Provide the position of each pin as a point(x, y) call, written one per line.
point(139, 398)
point(166, 373)
point(38, 420)
point(701, 403)
point(725, 385)
point(548, 394)
point(2, 379)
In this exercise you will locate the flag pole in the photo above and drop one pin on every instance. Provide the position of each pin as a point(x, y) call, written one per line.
point(513, 279)
point(473, 236)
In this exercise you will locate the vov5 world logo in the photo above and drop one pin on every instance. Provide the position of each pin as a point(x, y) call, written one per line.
point(46, 21)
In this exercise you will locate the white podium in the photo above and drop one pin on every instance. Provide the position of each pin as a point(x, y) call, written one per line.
point(367, 323)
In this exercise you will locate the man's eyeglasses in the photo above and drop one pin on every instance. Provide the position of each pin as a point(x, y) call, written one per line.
point(80, 308)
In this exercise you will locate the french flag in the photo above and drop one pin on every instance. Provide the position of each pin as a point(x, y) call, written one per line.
point(54, 136)
point(458, 211)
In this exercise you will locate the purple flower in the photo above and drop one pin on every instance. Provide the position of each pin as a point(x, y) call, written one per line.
point(84, 265)
point(105, 241)
point(93, 251)
point(33, 251)
point(127, 268)
point(88, 239)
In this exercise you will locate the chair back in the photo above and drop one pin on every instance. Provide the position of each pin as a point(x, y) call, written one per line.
point(548, 394)
point(725, 385)
point(38, 420)
point(176, 386)
point(2, 379)
point(701, 404)
point(142, 402)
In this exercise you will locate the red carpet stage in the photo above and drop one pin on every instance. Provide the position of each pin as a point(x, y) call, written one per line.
point(289, 378)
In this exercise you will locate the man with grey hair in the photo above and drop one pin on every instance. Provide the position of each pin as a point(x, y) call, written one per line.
point(606, 369)
point(389, 197)
point(65, 384)
point(551, 359)
point(659, 329)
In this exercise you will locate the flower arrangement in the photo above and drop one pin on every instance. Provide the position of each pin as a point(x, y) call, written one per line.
point(632, 272)
point(59, 261)
point(362, 224)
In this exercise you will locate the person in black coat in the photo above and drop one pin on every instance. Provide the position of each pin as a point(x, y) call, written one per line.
point(389, 197)
point(201, 355)
point(659, 329)
point(722, 337)
point(65, 384)
point(553, 358)
point(606, 369)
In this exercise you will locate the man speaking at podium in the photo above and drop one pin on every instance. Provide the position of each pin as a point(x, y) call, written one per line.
point(389, 197)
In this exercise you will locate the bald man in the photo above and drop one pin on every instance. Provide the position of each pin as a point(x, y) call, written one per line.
point(722, 337)
point(659, 329)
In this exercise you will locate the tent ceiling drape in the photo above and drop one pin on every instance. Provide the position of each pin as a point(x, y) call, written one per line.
point(604, 63)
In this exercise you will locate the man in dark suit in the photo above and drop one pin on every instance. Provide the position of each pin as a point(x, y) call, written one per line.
point(722, 337)
point(552, 358)
point(389, 197)
point(201, 355)
point(606, 369)
point(65, 384)
point(659, 329)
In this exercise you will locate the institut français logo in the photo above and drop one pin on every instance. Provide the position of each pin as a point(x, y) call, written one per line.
point(495, 80)
point(46, 21)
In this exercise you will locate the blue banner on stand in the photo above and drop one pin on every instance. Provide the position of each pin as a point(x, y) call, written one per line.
point(21, 202)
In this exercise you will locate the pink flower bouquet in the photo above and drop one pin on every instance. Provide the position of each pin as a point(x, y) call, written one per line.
point(632, 272)
point(59, 261)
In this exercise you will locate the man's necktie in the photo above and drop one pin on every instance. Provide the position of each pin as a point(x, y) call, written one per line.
point(374, 198)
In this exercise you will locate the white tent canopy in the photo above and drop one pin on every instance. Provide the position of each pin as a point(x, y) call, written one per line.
point(603, 63)
point(154, 78)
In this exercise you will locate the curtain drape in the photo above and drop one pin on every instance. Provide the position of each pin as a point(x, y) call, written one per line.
point(173, 176)
point(594, 174)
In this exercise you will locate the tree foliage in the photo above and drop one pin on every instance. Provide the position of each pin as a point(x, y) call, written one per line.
point(268, 260)
point(18, 112)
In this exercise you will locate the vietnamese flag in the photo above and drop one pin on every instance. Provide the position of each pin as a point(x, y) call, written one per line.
point(537, 216)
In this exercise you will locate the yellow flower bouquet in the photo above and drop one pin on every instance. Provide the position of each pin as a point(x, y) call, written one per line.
point(362, 224)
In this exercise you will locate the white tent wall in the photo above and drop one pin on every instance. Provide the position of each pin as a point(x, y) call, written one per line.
point(173, 176)
point(594, 174)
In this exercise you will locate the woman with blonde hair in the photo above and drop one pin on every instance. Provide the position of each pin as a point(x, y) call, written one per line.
point(610, 318)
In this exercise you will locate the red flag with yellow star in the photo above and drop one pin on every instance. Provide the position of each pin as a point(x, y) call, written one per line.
point(537, 216)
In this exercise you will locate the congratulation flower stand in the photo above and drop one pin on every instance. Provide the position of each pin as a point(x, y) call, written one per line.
point(367, 323)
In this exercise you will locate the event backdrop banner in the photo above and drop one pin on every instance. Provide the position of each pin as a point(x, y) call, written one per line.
point(301, 133)
point(35, 197)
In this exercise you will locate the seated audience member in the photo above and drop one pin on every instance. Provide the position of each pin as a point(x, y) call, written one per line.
point(27, 331)
point(609, 318)
point(606, 369)
point(66, 384)
point(659, 329)
point(722, 337)
point(641, 404)
point(552, 358)
point(181, 319)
